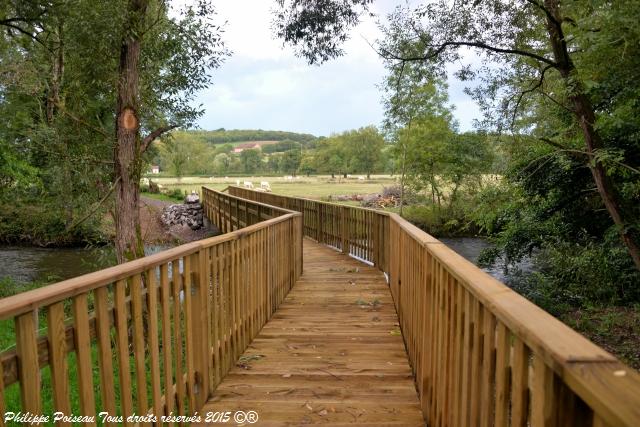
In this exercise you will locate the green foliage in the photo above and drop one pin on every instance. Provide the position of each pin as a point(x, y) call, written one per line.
point(222, 136)
point(251, 160)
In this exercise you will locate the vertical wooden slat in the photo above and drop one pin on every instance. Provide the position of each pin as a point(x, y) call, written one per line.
point(29, 370)
point(544, 399)
point(122, 342)
point(503, 352)
point(138, 344)
point(519, 384)
point(83, 353)
point(154, 350)
point(177, 335)
point(58, 359)
point(215, 314)
point(188, 298)
point(169, 390)
point(488, 370)
point(105, 356)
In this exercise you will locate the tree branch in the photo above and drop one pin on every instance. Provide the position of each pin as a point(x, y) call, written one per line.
point(480, 45)
point(523, 93)
point(153, 135)
point(92, 211)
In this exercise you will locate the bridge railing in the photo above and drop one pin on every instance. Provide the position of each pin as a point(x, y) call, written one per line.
point(155, 335)
point(482, 355)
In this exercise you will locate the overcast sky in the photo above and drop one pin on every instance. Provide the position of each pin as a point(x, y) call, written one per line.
point(264, 86)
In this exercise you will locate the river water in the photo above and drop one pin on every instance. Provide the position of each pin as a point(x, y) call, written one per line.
point(27, 264)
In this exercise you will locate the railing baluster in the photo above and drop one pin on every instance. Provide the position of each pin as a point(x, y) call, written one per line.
point(83, 350)
point(58, 355)
point(105, 355)
point(29, 371)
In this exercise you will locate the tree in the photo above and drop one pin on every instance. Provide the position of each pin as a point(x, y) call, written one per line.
point(221, 163)
point(364, 148)
point(251, 160)
point(544, 51)
point(307, 164)
point(331, 156)
point(291, 161)
point(178, 50)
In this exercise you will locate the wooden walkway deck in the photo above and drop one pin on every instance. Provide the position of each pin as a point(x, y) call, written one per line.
point(331, 354)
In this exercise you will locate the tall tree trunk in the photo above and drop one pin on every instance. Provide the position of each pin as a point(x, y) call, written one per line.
point(585, 114)
point(53, 103)
point(127, 155)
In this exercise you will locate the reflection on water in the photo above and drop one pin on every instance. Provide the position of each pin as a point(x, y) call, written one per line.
point(28, 264)
point(471, 247)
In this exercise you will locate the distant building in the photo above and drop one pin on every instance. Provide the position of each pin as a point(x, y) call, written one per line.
point(246, 146)
point(155, 169)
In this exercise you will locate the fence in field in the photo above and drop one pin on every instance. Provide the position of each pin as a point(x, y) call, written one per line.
point(482, 355)
point(157, 334)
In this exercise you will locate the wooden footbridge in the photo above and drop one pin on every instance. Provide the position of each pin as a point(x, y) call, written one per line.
point(303, 312)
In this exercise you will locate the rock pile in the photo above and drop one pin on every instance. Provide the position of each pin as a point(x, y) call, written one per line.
point(189, 214)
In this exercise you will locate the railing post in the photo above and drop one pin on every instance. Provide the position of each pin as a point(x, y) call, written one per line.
point(318, 231)
point(345, 229)
point(200, 310)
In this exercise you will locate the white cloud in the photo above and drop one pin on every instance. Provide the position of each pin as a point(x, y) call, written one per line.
point(263, 85)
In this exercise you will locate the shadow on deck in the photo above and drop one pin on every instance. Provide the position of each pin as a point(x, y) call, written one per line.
point(332, 353)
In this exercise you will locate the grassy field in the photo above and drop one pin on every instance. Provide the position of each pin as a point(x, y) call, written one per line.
point(315, 187)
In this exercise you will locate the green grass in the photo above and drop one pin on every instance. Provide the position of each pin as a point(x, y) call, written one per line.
point(315, 187)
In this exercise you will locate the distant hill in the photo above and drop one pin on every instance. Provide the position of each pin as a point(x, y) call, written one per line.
point(223, 136)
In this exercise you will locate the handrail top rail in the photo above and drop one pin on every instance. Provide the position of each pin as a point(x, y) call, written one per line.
point(322, 202)
point(277, 208)
point(557, 342)
point(25, 302)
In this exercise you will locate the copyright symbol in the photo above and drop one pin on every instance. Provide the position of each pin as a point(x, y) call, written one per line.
point(242, 417)
point(239, 417)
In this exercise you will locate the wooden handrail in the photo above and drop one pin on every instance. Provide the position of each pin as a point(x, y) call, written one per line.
point(482, 354)
point(192, 309)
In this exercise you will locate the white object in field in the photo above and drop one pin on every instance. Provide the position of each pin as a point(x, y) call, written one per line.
point(144, 181)
point(210, 178)
point(288, 177)
point(248, 184)
point(348, 176)
point(238, 182)
point(361, 178)
point(265, 185)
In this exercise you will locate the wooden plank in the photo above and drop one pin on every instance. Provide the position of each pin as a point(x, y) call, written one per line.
point(189, 327)
point(544, 398)
point(59, 365)
point(122, 344)
point(142, 403)
point(343, 360)
point(29, 372)
point(105, 355)
point(154, 349)
point(488, 371)
point(177, 335)
point(83, 355)
point(169, 390)
point(503, 376)
point(519, 384)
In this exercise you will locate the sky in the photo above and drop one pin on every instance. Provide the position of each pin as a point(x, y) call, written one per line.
point(263, 85)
